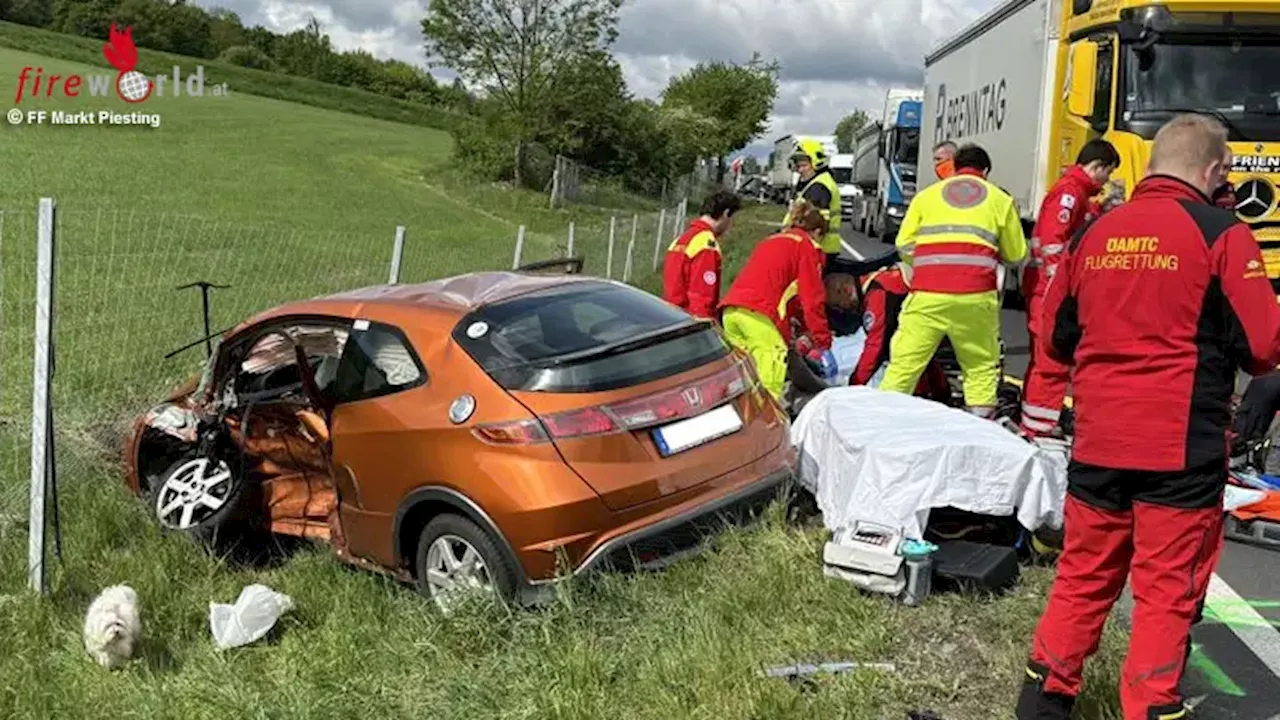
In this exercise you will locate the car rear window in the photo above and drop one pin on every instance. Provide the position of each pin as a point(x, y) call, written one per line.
point(585, 337)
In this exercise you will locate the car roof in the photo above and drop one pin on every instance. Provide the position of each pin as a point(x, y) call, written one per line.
point(451, 296)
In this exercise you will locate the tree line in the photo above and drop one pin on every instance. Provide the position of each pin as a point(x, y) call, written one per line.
point(538, 79)
point(179, 27)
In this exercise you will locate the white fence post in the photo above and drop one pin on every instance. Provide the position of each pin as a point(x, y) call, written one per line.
point(613, 226)
point(657, 241)
point(631, 249)
point(40, 397)
point(515, 262)
point(555, 183)
point(570, 251)
point(397, 253)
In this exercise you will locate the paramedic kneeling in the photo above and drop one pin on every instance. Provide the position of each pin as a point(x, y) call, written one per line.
point(754, 311)
point(1157, 304)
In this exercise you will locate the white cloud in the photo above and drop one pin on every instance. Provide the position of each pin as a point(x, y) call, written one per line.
point(836, 56)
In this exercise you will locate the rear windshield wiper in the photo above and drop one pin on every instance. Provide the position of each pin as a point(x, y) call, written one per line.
point(635, 342)
point(1216, 113)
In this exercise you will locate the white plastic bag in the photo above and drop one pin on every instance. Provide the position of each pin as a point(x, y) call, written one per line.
point(252, 616)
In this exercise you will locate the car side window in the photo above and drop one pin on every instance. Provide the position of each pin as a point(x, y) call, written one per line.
point(377, 360)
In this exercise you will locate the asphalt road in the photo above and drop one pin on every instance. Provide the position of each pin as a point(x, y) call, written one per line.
point(1235, 672)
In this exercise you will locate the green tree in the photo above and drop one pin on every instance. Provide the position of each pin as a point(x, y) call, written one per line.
point(750, 165)
point(736, 98)
point(88, 18)
point(36, 13)
point(586, 110)
point(848, 128)
point(305, 52)
point(225, 30)
point(513, 49)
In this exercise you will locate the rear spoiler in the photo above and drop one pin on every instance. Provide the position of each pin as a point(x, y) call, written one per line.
point(567, 266)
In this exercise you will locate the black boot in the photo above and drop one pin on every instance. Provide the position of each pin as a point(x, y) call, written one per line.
point(1036, 704)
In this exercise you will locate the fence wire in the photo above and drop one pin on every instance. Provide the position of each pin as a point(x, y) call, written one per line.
point(123, 299)
point(573, 183)
point(627, 247)
point(17, 324)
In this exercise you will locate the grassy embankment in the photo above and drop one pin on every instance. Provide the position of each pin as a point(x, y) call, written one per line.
point(282, 200)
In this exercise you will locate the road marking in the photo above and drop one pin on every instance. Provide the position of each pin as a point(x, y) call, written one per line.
point(849, 249)
point(1254, 631)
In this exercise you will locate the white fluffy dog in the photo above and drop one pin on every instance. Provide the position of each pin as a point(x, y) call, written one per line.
point(112, 627)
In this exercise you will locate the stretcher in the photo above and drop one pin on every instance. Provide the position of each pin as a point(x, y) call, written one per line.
point(1257, 522)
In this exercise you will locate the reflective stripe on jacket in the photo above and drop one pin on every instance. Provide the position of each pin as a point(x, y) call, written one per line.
point(956, 234)
point(783, 267)
point(823, 191)
point(691, 272)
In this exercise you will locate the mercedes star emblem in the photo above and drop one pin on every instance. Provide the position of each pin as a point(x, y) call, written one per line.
point(1254, 198)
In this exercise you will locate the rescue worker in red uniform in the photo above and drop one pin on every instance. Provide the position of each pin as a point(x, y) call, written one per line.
point(883, 293)
point(1156, 307)
point(691, 273)
point(1067, 207)
point(754, 311)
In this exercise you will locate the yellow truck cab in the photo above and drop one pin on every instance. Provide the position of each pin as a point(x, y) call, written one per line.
point(1127, 66)
point(1033, 80)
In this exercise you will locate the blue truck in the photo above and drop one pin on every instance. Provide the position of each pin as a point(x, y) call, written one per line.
point(884, 165)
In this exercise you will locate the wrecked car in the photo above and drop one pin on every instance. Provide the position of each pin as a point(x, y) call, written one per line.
point(490, 431)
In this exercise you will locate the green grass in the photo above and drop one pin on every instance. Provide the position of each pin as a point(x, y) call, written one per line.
point(241, 80)
point(684, 643)
point(284, 201)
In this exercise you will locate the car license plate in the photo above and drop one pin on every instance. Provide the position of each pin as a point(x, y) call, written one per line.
point(685, 434)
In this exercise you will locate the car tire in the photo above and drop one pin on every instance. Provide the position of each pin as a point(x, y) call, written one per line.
point(463, 536)
point(236, 519)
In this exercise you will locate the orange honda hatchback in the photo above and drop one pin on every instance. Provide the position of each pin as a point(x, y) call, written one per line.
point(490, 431)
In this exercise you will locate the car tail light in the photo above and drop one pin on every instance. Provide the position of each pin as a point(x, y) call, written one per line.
point(577, 423)
point(518, 432)
point(655, 409)
point(560, 426)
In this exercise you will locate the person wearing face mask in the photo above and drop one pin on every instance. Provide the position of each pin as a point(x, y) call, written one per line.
point(1067, 207)
point(1156, 307)
point(944, 154)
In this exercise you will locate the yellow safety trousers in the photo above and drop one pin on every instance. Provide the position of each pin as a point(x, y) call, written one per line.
point(970, 320)
point(756, 335)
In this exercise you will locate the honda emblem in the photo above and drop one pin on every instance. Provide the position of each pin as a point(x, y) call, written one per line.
point(692, 396)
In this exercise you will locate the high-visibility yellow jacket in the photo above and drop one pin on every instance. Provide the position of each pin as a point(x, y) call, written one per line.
point(822, 191)
point(956, 234)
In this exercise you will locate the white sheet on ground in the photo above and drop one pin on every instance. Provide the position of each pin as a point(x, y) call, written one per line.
point(891, 458)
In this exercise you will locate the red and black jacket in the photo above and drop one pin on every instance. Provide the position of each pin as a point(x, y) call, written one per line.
point(1066, 208)
point(884, 292)
point(1157, 305)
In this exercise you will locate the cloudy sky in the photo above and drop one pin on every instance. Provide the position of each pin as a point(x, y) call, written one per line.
point(836, 55)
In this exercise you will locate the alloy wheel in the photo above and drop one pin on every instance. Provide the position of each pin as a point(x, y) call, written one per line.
point(192, 493)
point(455, 570)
